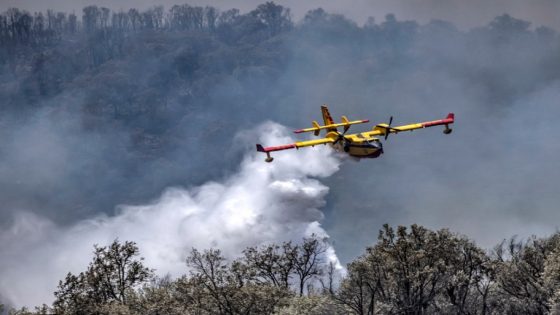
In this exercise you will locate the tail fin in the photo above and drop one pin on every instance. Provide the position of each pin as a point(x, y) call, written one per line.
point(327, 119)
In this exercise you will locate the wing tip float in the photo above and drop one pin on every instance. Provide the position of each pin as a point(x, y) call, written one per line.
point(333, 134)
point(447, 121)
point(267, 150)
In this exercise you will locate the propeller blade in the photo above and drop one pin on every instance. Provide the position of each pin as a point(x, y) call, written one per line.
point(336, 141)
point(340, 136)
point(388, 128)
point(343, 138)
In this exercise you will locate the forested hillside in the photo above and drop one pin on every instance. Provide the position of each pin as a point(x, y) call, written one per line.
point(142, 95)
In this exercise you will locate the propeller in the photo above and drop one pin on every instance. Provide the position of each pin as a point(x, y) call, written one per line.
point(388, 128)
point(341, 137)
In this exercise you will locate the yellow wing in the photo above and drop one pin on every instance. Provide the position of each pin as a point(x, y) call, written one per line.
point(385, 129)
point(311, 143)
point(296, 145)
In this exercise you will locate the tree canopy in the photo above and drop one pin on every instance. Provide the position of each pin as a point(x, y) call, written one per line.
point(410, 270)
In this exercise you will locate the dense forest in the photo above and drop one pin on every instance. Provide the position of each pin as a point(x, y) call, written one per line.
point(408, 271)
point(104, 108)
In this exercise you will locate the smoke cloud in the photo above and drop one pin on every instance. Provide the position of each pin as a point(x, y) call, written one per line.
point(259, 204)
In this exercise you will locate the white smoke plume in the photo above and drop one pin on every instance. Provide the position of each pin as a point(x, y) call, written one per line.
point(260, 203)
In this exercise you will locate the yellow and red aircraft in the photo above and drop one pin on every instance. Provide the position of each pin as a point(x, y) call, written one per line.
point(359, 145)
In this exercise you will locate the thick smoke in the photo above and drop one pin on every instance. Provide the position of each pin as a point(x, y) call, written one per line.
point(493, 177)
point(259, 204)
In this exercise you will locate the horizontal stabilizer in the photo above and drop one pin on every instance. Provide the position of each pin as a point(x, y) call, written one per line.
point(342, 124)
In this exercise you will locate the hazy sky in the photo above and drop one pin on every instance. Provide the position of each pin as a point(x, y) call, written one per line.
point(464, 14)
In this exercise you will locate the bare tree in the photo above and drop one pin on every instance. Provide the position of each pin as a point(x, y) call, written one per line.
point(227, 288)
point(272, 263)
point(308, 261)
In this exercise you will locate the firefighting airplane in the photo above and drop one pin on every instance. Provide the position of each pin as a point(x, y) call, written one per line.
point(358, 145)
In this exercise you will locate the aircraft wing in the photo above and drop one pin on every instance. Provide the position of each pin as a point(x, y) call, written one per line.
point(383, 129)
point(295, 145)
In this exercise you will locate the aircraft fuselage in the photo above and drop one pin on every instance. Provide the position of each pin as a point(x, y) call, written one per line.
point(365, 149)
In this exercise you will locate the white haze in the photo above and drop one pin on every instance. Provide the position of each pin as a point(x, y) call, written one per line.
point(261, 203)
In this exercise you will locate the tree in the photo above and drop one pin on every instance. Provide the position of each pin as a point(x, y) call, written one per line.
point(526, 273)
point(117, 270)
point(134, 18)
point(416, 272)
point(359, 290)
point(273, 263)
point(216, 287)
point(308, 261)
point(228, 17)
point(160, 296)
point(507, 24)
point(111, 277)
point(311, 305)
point(72, 25)
point(276, 17)
point(90, 18)
point(39, 310)
point(211, 16)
